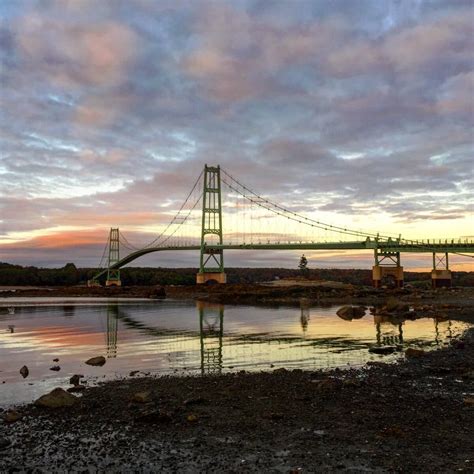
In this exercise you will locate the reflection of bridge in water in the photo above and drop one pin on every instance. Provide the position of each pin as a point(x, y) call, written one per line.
point(243, 349)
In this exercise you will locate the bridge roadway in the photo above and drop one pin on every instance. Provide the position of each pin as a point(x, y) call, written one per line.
point(385, 246)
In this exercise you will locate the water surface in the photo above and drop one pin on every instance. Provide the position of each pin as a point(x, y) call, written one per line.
point(162, 337)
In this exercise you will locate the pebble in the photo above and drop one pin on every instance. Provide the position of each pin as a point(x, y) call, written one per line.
point(4, 443)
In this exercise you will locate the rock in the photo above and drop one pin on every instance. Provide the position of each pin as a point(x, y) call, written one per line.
point(24, 371)
point(56, 368)
point(96, 361)
point(76, 389)
point(57, 398)
point(394, 305)
point(458, 344)
point(413, 353)
point(157, 293)
point(4, 443)
point(469, 401)
point(373, 363)
point(141, 397)
point(11, 416)
point(276, 416)
point(155, 416)
point(383, 350)
point(327, 385)
point(348, 313)
point(192, 418)
point(391, 304)
point(195, 401)
point(75, 379)
point(349, 383)
point(133, 372)
point(468, 375)
point(56, 360)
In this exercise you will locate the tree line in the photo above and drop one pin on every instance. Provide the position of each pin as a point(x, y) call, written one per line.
point(17, 275)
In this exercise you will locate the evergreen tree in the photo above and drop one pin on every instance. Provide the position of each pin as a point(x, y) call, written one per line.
point(303, 265)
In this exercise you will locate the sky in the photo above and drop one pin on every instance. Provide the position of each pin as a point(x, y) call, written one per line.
point(359, 113)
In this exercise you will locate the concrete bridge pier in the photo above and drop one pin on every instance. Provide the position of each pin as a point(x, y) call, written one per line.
point(210, 277)
point(114, 282)
point(387, 270)
point(441, 274)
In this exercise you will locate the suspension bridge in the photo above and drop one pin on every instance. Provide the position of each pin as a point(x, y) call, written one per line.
point(253, 222)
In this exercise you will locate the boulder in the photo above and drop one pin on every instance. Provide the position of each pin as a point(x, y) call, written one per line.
point(96, 361)
point(55, 368)
point(75, 379)
point(413, 353)
point(57, 398)
point(24, 371)
point(348, 313)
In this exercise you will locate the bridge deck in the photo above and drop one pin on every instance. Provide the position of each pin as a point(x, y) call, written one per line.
point(393, 246)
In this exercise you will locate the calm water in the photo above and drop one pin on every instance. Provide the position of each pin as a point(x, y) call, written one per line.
point(159, 337)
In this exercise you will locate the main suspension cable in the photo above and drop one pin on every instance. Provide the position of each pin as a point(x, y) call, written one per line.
point(177, 214)
point(281, 211)
point(104, 253)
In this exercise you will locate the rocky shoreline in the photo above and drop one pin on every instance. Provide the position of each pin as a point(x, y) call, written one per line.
point(313, 292)
point(415, 415)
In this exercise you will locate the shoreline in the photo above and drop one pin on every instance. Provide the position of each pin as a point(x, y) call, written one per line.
point(446, 303)
point(281, 421)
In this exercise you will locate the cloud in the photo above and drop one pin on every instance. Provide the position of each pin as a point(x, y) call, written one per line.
point(356, 112)
point(75, 55)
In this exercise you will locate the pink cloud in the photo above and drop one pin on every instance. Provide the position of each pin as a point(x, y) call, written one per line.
point(450, 38)
point(72, 55)
point(238, 56)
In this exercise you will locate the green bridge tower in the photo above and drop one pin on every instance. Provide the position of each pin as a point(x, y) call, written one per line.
point(211, 263)
point(113, 274)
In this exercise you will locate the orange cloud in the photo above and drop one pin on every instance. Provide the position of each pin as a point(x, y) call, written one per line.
point(62, 240)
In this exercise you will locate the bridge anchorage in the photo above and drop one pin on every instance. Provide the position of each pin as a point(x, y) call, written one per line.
point(253, 222)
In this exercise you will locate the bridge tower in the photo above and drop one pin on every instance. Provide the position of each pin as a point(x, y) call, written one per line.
point(441, 274)
point(112, 330)
point(387, 268)
point(211, 331)
point(211, 263)
point(113, 274)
